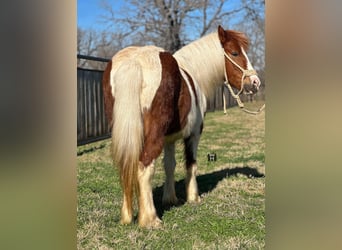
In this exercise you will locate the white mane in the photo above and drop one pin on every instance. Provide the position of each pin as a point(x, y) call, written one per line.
point(203, 59)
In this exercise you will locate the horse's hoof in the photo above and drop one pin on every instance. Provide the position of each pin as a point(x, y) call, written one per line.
point(155, 223)
point(125, 221)
point(170, 202)
point(194, 200)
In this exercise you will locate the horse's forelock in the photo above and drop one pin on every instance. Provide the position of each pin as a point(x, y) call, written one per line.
point(240, 38)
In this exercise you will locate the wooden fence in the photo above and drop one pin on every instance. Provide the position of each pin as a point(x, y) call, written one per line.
point(92, 124)
point(217, 102)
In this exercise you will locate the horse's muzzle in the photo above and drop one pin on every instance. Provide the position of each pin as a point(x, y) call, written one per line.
point(252, 86)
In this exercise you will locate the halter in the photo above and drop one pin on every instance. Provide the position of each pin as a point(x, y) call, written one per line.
point(245, 73)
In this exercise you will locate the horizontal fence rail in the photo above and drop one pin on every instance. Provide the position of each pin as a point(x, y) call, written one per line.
point(92, 124)
point(93, 58)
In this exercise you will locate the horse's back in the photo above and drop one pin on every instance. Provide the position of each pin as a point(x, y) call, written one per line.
point(163, 89)
point(144, 55)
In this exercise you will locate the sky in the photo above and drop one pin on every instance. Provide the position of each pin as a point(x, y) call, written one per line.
point(89, 12)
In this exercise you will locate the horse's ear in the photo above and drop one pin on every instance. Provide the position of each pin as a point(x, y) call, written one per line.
point(222, 34)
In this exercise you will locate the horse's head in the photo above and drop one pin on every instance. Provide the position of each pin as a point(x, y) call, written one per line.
point(238, 69)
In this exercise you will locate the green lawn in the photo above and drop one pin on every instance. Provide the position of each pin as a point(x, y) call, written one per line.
point(231, 214)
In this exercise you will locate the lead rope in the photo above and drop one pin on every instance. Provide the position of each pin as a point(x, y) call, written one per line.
point(245, 73)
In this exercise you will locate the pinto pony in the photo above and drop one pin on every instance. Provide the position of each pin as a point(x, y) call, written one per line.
point(154, 98)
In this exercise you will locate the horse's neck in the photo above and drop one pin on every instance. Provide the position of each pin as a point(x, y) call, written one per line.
point(204, 61)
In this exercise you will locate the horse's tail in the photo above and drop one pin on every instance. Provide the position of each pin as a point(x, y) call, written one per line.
point(127, 130)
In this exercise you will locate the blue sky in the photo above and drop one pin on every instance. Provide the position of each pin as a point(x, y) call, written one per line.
point(89, 12)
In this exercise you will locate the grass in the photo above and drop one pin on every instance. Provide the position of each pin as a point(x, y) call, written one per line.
point(231, 214)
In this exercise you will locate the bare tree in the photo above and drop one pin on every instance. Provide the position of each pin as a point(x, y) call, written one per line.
point(254, 12)
point(168, 23)
point(98, 44)
point(253, 24)
point(86, 44)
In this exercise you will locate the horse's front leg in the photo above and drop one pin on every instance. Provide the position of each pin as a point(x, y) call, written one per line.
point(191, 144)
point(169, 193)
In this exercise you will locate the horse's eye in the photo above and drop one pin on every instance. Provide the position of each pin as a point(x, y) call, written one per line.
point(234, 53)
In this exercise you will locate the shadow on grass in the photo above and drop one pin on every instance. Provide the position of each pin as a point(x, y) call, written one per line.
point(89, 150)
point(206, 183)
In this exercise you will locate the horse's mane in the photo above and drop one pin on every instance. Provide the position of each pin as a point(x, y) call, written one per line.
point(203, 59)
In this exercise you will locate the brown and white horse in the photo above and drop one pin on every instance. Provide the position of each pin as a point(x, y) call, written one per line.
point(154, 98)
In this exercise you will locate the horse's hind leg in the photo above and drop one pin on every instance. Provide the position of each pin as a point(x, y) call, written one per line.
point(169, 193)
point(191, 144)
point(153, 145)
point(127, 210)
point(147, 212)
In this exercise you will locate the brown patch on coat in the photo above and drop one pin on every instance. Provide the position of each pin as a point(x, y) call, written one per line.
point(169, 109)
point(107, 93)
